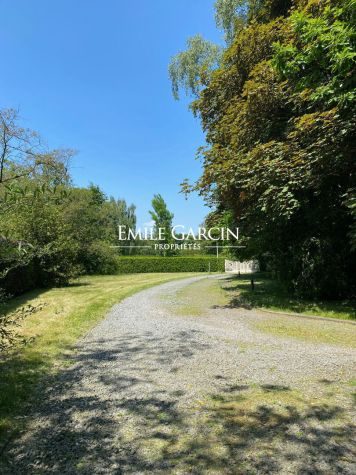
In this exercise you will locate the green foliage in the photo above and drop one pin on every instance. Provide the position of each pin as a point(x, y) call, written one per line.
point(138, 264)
point(22, 154)
point(50, 231)
point(190, 69)
point(319, 59)
point(232, 16)
point(229, 14)
point(66, 238)
point(160, 214)
point(350, 203)
point(119, 213)
point(20, 276)
point(279, 125)
point(162, 218)
point(99, 258)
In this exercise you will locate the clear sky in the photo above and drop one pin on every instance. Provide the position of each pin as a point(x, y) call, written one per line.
point(92, 75)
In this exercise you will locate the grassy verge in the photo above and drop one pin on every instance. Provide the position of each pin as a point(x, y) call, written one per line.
point(270, 295)
point(308, 330)
point(235, 292)
point(196, 298)
point(65, 315)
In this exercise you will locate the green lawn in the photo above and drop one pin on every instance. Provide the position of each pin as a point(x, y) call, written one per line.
point(196, 300)
point(65, 315)
point(271, 295)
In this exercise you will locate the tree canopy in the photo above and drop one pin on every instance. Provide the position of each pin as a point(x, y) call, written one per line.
point(61, 229)
point(279, 117)
point(160, 213)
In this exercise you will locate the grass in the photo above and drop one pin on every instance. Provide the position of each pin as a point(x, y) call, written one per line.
point(197, 298)
point(249, 428)
point(235, 291)
point(194, 299)
point(271, 295)
point(309, 330)
point(271, 421)
point(65, 315)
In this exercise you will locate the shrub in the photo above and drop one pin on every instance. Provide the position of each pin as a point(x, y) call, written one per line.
point(57, 262)
point(99, 258)
point(20, 279)
point(140, 264)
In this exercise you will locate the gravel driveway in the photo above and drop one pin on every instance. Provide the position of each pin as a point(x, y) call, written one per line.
point(154, 392)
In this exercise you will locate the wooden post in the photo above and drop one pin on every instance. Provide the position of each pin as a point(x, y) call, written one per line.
point(252, 285)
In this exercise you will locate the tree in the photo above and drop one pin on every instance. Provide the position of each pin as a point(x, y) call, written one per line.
point(50, 231)
point(162, 218)
point(279, 125)
point(23, 155)
point(190, 69)
point(120, 214)
point(32, 180)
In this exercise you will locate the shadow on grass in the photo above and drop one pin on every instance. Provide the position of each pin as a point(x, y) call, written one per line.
point(271, 294)
point(96, 420)
point(76, 283)
point(17, 302)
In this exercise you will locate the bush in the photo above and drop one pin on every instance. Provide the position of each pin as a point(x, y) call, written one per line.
point(323, 271)
point(140, 264)
point(99, 258)
point(20, 279)
point(57, 263)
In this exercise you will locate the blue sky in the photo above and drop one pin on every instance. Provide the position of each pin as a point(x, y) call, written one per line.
point(92, 75)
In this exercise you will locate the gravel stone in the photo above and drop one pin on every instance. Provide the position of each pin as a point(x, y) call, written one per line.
point(136, 384)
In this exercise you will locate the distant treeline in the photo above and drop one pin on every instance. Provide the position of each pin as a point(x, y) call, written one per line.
point(50, 230)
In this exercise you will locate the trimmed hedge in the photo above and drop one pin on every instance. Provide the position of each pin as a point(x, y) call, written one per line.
point(140, 264)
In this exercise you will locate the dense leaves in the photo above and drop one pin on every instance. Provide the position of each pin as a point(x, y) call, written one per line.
point(189, 69)
point(50, 231)
point(134, 264)
point(279, 119)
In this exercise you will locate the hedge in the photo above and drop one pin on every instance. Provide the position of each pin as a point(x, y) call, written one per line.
point(140, 264)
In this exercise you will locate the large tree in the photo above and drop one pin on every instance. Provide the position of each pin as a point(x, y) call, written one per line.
point(279, 120)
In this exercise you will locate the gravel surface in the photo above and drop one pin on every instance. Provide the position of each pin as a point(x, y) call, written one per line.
point(138, 398)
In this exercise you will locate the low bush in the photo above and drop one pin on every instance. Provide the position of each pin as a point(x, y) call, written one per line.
point(20, 279)
point(99, 258)
point(139, 264)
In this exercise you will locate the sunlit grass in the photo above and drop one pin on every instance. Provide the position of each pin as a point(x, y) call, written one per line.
point(195, 299)
point(199, 297)
point(309, 330)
